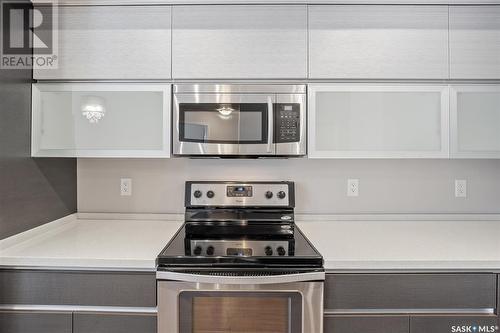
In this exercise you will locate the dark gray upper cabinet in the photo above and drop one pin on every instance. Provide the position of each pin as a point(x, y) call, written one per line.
point(112, 42)
point(378, 42)
point(410, 291)
point(237, 41)
point(475, 42)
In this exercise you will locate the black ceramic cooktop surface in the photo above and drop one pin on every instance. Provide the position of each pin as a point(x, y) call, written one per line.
point(176, 255)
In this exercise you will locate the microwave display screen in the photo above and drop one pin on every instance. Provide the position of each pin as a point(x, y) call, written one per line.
point(223, 123)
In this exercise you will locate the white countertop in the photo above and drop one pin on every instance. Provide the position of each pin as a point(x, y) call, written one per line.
point(75, 243)
point(347, 243)
point(408, 245)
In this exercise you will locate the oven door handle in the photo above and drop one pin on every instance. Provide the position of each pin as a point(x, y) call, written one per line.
point(255, 280)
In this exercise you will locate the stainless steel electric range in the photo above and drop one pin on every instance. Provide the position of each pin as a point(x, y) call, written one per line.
point(240, 264)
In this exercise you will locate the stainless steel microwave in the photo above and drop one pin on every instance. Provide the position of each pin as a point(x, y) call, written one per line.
point(252, 120)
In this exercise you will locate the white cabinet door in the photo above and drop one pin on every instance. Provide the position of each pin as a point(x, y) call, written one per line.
point(475, 42)
point(235, 41)
point(475, 121)
point(378, 121)
point(100, 120)
point(112, 42)
point(378, 42)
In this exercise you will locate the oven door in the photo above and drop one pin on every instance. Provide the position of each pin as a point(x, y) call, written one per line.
point(191, 303)
point(223, 124)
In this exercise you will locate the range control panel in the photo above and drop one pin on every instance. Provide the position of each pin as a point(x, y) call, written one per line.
point(244, 194)
point(287, 117)
point(240, 248)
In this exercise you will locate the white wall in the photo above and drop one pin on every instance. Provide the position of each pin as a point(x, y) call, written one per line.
point(386, 186)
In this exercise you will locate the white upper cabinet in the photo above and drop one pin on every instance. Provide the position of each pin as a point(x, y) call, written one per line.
point(112, 42)
point(475, 42)
point(378, 121)
point(475, 121)
point(378, 42)
point(238, 41)
point(100, 120)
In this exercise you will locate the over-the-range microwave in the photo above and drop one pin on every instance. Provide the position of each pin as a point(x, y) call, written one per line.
point(238, 120)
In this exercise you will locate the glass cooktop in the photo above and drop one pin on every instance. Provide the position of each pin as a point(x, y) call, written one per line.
point(281, 251)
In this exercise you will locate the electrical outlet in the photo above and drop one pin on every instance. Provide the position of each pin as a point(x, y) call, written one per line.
point(353, 187)
point(126, 187)
point(460, 188)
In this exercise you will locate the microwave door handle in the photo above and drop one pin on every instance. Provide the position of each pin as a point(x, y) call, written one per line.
point(270, 125)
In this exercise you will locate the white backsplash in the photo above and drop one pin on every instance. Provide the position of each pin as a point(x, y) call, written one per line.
point(385, 186)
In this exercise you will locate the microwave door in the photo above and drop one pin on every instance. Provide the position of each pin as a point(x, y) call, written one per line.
point(223, 124)
point(251, 128)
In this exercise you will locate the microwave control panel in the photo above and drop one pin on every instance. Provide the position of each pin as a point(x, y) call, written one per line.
point(287, 116)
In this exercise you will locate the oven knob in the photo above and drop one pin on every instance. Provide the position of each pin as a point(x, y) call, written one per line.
point(281, 194)
point(197, 251)
point(268, 250)
point(269, 194)
point(210, 250)
point(281, 250)
point(210, 194)
point(197, 194)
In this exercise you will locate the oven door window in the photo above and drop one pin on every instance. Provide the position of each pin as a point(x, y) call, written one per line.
point(224, 123)
point(240, 312)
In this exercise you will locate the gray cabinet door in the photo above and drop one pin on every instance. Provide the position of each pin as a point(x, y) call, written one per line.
point(475, 42)
point(366, 324)
point(113, 323)
point(440, 324)
point(411, 291)
point(35, 322)
point(112, 42)
point(235, 41)
point(378, 42)
point(133, 289)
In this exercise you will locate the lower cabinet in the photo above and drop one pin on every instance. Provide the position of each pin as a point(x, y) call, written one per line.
point(35, 322)
point(114, 323)
point(67, 322)
point(58, 301)
point(365, 324)
point(77, 288)
point(411, 293)
point(412, 303)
